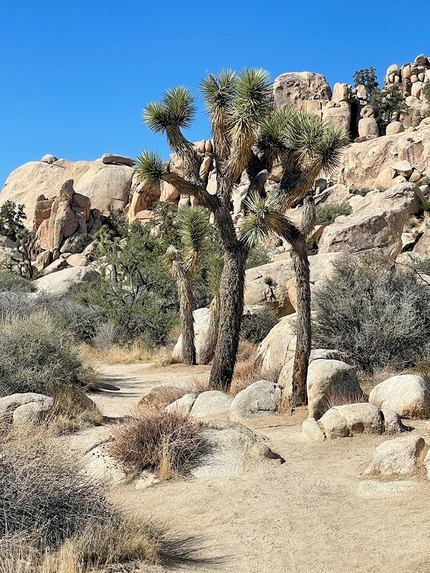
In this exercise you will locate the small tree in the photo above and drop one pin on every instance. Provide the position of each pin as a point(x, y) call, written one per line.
point(11, 219)
point(386, 104)
point(366, 77)
point(193, 227)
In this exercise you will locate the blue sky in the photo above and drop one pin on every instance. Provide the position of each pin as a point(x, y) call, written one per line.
point(76, 75)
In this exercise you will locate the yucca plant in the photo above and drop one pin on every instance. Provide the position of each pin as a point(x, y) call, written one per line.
point(246, 134)
point(193, 227)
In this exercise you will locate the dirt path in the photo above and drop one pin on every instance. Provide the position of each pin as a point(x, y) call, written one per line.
point(313, 514)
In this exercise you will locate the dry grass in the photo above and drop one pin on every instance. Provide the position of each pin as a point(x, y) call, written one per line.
point(247, 372)
point(53, 519)
point(161, 396)
point(339, 399)
point(136, 352)
point(72, 410)
point(167, 442)
point(369, 380)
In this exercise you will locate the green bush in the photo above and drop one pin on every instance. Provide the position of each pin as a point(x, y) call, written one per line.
point(79, 320)
point(36, 355)
point(326, 214)
point(255, 327)
point(311, 246)
point(258, 256)
point(378, 315)
point(81, 242)
point(9, 282)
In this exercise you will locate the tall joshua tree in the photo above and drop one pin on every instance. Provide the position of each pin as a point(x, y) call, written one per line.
point(239, 107)
point(193, 230)
point(303, 145)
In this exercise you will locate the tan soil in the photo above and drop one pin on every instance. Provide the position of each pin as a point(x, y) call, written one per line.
point(313, 514)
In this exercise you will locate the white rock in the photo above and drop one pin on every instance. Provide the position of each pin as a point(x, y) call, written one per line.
point(400, 456)
point(312, 430)
point(259, 397)
point(58, 284)
point(351, 419)
point(99, 465)
point(183, 405)
point(231, 452)
point(211, 404)
point(408, 395)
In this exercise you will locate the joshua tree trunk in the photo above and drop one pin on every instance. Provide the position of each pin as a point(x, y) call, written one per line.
point(186, 304)
point(231, 294)
point(208, 350)
point(303, 345)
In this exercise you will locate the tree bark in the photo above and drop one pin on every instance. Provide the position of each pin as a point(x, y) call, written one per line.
point(186, 305)
point(231, 295)
point(303, 346)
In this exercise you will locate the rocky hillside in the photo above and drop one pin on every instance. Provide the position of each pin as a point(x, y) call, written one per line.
point(64, 199)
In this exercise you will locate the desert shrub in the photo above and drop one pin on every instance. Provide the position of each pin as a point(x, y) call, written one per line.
point(81, 242)
point(53, 518)
point(11, 219)
point(366, 77)
point(326, 214)
point(10, 282)
point(255, 327)
point(168, 442)
point(258, 256)
point(36, 355)
point(311, 246)
point(40, 490)
point(424, 180)
point(79, 320)
point(377, 314)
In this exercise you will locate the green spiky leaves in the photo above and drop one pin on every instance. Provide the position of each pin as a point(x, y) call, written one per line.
point(264, 219)
point(150, 168)
point(176, 109)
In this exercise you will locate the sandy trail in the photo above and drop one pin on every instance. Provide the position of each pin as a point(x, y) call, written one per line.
point(313, 514)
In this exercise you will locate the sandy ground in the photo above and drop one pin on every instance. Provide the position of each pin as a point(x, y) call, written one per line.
point(315, 513)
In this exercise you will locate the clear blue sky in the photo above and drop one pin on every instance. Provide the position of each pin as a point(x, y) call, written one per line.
point(76, 75)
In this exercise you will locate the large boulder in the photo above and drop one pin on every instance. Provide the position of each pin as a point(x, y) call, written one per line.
point(351, 419)
point(363, 162)
point(278, 346)
point(258, 398)
point(58, 284)
point(211, 404)
point(302, 90)
point(231, 451)
point(24, 409)
point(407, 394)
point(398, 457)
point(273, 285)
point(265, 286)
point(379, 224)
point(328, 380)
point(106, 185)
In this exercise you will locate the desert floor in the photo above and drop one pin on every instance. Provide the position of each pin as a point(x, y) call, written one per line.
point(315, 513)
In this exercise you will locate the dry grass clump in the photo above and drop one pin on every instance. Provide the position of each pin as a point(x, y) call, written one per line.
point(136, 352)
point(341, 399)
point(53, 519)
point(368, 380)
point(167, 442)
point(161, 396)
point(72, 410)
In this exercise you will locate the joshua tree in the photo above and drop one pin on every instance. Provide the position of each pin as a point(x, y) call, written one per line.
point(303, 145)
point(193, 229)
point(239, 106)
